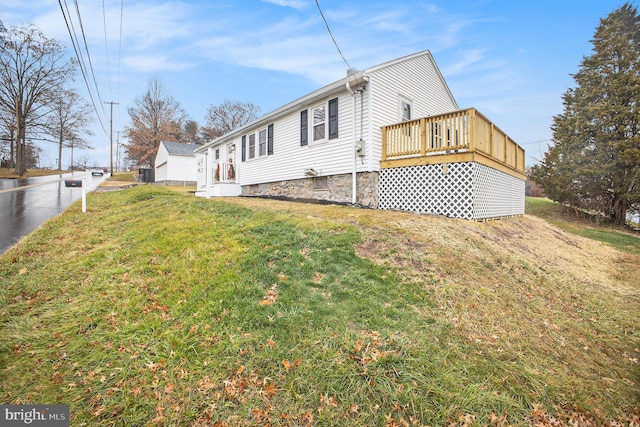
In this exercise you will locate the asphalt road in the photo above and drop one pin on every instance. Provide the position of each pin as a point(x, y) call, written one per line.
point(27, 203)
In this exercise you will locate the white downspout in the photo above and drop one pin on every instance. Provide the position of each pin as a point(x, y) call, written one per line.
point(353, 146)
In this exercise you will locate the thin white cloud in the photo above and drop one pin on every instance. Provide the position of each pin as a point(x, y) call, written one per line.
point(295, 4)
point(154, 24)
point(468, 58)
point(153, 63)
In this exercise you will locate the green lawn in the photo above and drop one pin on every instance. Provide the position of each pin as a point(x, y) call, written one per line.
point(159, 308)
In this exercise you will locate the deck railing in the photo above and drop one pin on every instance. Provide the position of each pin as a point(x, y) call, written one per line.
point(464, 131)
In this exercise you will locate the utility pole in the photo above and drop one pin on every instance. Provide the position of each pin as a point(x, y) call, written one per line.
point(111, 132)
point(118, 152)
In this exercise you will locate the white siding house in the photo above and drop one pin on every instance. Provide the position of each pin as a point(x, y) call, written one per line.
point(175, 164)
point(332, 144)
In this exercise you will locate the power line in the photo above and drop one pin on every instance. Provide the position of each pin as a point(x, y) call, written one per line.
point(106, 45)
point(111, 133)
point(86, 47)
point(119, 55)
point(332, 38)
point(81, 63)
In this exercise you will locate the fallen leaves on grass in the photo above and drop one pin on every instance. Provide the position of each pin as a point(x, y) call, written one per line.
point(271, 296)
point(368, 350)
point(326, 400)
point(289, 365)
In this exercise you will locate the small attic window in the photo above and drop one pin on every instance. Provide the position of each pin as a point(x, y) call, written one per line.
point(405, 108)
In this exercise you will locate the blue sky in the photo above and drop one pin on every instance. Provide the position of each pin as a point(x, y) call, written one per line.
point(510, 59)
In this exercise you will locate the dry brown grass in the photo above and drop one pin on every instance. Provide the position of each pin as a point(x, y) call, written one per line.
point(457, 245)
point(538, 299)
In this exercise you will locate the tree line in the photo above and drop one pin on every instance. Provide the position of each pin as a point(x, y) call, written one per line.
point(594, 162)
point(39, 104)
point(156, 116)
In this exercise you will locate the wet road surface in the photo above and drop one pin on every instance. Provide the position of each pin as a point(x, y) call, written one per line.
point(26, 203)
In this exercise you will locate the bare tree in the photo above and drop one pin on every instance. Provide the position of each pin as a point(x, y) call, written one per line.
point(67, 122)
point(155, 117)
point(230, 115)
point(32, 69)
point(7, 138)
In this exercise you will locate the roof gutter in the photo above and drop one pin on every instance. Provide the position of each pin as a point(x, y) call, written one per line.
point(335, 87)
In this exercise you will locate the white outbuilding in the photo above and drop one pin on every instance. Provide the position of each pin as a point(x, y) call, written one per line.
point(175, 164)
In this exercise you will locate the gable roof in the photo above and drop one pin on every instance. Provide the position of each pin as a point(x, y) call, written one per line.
point(179, 148)
point(353, 80)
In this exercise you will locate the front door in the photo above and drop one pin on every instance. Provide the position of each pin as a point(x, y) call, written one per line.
point(231, 166)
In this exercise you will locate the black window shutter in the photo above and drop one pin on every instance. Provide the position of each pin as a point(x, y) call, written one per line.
point(333, 118)
point(304, 123)
point(243, 156)
point(270, 139)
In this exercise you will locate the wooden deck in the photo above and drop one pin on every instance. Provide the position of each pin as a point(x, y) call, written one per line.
point(459, 136)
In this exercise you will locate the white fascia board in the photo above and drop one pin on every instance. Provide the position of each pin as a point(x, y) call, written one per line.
point(299, 103)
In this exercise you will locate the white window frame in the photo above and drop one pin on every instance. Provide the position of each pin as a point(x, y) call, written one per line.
point(262, 143)
point(312, 125)
point(402, 101)
point(251, 154)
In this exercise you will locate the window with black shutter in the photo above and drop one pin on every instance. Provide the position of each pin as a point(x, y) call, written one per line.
point(262, 143)
point(243, 156)
point(252, 146)
point(270, 139)
point(333, 118)
point(304, 124)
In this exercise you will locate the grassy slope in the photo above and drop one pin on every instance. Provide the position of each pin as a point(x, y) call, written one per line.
point(157, 307)
point(566, 218)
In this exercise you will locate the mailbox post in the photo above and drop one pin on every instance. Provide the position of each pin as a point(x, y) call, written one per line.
point(78, 183)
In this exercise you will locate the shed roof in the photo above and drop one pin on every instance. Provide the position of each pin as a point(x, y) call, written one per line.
point(179, 148)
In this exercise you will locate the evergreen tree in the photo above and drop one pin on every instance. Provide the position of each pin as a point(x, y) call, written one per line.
point(595, 160)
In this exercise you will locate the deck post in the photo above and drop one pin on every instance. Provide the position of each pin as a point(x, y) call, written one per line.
point(506, 142)
point(384, 143)
point(491, 142)
point(423, 137)
point(472, 129)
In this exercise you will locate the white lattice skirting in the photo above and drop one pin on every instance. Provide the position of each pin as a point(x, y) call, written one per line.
point(459, 190)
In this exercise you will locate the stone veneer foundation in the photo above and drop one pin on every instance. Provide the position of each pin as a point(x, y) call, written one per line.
point(333, 188)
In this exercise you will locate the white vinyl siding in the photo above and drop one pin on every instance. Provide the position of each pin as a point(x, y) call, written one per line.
point(416, 79)
point(290, 159)
point(161, 163)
